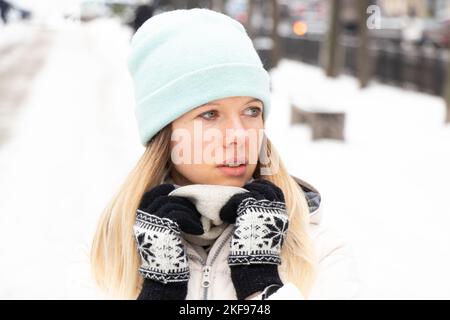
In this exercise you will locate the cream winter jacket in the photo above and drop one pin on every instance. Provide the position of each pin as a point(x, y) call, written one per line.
point(337, 276)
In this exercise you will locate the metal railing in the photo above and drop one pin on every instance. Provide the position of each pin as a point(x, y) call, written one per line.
point(419, 67)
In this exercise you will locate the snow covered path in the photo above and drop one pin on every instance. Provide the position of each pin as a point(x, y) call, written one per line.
point(75, 139)
point(74, 142)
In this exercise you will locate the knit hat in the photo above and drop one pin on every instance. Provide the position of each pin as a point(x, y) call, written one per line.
point(181, 59)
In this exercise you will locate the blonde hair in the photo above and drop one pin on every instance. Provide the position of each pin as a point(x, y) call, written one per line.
point(114, 257)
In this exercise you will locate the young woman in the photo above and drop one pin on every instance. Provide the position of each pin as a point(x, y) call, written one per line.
point(210, 211)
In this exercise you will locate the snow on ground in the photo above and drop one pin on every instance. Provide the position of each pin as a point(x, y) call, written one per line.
point(75, 140)
point(385, 188)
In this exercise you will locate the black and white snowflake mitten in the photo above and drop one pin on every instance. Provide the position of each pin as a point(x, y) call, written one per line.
point(159, 221)
point(261, 223)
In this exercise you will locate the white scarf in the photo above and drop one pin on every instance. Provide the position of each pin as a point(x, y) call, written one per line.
point(208, 199)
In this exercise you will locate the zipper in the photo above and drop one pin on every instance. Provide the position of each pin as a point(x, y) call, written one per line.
point(207, 265)
point(205, 278)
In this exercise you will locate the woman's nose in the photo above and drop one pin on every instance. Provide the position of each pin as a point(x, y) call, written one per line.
point(235, 131)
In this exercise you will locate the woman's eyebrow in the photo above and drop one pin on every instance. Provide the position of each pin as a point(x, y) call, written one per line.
point(218, 104)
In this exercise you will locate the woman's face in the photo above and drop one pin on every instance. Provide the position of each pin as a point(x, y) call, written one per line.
point(218, 142)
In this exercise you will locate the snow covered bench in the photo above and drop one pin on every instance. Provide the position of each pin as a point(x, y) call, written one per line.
point(324, 123)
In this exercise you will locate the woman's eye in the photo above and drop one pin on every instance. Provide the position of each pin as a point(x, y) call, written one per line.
point(213, 114)
point(253, 111)
point(208, 115)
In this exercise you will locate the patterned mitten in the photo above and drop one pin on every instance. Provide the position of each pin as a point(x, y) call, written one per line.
point(164, 264)
point(261, 223)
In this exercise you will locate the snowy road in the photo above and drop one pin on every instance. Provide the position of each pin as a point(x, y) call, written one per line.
point(23, 50)
point(74, 139)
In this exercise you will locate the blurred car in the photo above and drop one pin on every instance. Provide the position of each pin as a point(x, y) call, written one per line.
point(301, 18)
point(237, 9)
point(438, 33)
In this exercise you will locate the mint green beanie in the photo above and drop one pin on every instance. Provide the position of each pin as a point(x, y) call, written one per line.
point(181, 59)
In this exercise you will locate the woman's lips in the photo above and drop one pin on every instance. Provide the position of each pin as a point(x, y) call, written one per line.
point(233, 171)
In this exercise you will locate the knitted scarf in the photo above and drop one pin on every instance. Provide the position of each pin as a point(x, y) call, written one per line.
point(208, 199)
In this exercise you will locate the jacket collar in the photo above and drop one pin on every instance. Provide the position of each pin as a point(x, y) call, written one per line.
point(314, 199)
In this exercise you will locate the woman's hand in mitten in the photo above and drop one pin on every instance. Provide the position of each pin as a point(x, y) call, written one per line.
point(261, 223)
point(164, 265)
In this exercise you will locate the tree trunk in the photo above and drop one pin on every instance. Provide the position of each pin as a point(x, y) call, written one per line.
point(177, 4)
point(275, 37)
point(250, 11)
point(363, 63)
point(447, 91)
point(218, 5)
point(191, 4)
point(331, 55)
